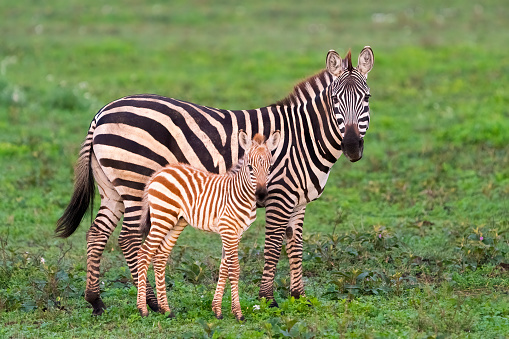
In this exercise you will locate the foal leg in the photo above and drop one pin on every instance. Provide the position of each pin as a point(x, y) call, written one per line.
point(231, 248)
point(161, 226)
point(221, 282)
point(130, 241)
point(159, 261)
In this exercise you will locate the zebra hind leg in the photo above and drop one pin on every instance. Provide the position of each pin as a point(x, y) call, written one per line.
point(107, 218)
point(130, 243)
point(105, 222)
point(160, 259)
point(221, 282)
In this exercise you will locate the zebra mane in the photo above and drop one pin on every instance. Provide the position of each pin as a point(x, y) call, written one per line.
point(347, 61)
point(307, 89)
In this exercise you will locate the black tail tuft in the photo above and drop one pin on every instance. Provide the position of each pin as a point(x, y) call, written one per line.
point(83, 196)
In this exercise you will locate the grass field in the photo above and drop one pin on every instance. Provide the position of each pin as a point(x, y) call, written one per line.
point(409, 242)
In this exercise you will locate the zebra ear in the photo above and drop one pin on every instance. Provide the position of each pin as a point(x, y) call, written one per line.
point(244, 140)
point(273, 140)
point(334, 63)
point(366, 61)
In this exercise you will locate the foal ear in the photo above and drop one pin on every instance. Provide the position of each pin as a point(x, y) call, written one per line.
point(244, 140)
point(334, 63)
point(273, 140)
point(366, 61)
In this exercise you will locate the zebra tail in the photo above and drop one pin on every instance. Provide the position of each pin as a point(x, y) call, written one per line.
point(84, 190)
point(145, 215)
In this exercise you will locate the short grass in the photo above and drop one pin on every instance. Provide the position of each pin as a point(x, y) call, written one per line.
point(393, 247)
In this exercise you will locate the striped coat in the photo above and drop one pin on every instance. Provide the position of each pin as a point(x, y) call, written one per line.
point(178, 195)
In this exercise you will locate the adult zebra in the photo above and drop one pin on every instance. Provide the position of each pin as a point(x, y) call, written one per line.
point(130, 138)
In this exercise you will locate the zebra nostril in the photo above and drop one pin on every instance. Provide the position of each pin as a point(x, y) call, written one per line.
point(361, 143)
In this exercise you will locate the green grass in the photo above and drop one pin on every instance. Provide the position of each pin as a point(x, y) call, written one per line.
point(392, 247)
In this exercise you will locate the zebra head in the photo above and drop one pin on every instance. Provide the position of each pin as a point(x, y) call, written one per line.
point(349, 97)
point(258, 158)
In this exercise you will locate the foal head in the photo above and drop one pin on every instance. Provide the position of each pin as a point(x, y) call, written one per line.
point(258, 158)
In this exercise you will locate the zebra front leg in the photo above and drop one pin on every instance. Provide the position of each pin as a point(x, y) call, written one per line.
point(275, 227)
point(232, 256)
point(129, 241)
point(221, 282)
point(105, 222)
point(159, 261)
point(294, 251)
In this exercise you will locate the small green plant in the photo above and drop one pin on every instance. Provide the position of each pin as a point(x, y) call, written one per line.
point(333, 249)
point(210, 329)
point(282, 285)
point(249, 252)
point(288, 327)
point(481, 247)
point(194, 272)
point(47, 283)
point(55, 283)
point(348, 284)
point(399, 282)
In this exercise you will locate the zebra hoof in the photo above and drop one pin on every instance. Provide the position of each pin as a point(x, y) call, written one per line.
point(241, 318)
point(144, 313)
point(97, 312)
point(170, 315)
point(99, 307)
point(274, 304)
point(154, 306)
point(219, 316)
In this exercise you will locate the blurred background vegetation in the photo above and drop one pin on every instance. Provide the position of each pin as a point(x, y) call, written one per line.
point(434, 178)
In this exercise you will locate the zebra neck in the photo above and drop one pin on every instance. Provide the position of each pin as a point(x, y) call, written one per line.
point(311, 144)
point(311, 120)
point(313, 127)
point(323, 127)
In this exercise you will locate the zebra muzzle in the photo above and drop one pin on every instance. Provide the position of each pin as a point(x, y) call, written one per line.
point(261, 194)
point(352, 144)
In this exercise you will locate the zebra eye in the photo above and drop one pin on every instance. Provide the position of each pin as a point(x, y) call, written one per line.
point(367, 96)
point(335, 100)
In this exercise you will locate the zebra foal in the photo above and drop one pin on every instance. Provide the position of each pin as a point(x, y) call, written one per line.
point(226, 204)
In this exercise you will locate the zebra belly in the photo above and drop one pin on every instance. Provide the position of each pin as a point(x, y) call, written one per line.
point(205, 210)
point(207, 223)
